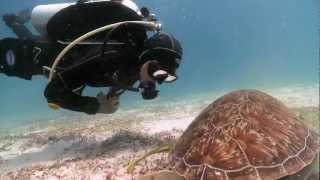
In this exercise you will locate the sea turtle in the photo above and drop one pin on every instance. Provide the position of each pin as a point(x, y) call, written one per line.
point(243, 135)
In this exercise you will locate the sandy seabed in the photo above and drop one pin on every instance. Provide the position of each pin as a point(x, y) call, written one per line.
point(91, 147)
point(100, 147)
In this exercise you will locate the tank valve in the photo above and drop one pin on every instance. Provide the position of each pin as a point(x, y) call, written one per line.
point(152, 17)
point(158, 27)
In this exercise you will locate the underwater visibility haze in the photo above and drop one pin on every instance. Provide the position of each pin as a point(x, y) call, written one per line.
point(271, 46)
point(227, 45)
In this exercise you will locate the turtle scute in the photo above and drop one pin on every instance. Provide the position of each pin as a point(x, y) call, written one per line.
point(245, 134)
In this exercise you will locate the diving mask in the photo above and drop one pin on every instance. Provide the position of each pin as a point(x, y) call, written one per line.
point(153, 71)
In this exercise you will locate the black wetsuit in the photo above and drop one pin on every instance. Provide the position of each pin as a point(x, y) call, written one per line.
point(118, 67)
point(84, 65)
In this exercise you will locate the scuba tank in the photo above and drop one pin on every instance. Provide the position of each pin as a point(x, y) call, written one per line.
point(67, 21)
point(41, 14)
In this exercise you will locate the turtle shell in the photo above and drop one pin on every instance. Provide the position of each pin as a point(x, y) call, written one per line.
point(246, 135)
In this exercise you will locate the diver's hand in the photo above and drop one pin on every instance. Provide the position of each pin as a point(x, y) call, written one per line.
point(108, 104)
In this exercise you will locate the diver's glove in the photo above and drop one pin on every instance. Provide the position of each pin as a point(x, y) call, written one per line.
point(108, 104)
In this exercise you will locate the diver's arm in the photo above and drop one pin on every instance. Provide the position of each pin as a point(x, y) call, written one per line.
point(60, 90)
point(57, 93)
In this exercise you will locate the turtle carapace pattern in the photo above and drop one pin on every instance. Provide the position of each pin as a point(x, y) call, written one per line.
point(246, 134)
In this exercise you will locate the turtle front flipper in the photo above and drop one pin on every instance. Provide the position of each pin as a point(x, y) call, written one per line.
point(162, 148)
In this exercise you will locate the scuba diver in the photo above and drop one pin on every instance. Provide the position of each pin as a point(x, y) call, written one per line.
point(117, 58)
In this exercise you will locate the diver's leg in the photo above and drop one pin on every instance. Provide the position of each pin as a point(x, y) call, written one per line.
point(17, 26)
point(62, 89)
point(24, 58)
point(21, 30)
point(16, 57)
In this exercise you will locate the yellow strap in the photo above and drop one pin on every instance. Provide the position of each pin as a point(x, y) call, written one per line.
point(53, 106)
point(166, 147)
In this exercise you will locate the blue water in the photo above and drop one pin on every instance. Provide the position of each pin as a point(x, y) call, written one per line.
point(227, 45)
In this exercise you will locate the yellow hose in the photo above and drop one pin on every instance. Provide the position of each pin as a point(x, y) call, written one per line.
point(151, 25)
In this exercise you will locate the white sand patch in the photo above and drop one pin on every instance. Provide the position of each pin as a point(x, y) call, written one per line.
point(106, 159)
point(33, 156)
point(298, 96)
point(153, 127)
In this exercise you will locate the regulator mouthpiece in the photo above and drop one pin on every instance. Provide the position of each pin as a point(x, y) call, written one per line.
point(163, 76)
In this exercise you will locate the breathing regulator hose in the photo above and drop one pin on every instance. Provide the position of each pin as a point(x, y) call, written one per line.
point(148, 24)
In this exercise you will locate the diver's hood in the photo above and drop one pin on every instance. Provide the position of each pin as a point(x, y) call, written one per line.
point(67, 21)
point(162, 47)
point(165, 49)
